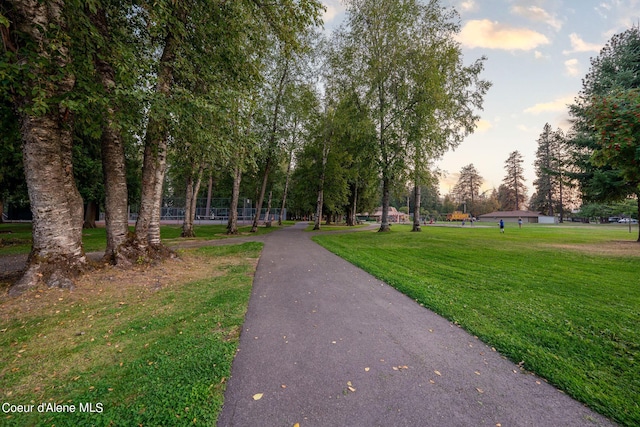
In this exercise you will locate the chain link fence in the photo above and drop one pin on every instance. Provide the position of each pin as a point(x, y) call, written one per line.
point(217, 211)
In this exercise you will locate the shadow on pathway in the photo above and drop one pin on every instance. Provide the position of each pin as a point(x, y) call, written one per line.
point(327, 344)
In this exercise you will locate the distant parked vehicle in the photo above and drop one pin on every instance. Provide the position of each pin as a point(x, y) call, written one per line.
point(627, 221)
point(614, 218)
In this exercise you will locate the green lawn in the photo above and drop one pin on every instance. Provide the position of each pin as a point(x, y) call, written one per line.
point(565, 300)
point(144, 347)
point(332, 227)
point(18, 241)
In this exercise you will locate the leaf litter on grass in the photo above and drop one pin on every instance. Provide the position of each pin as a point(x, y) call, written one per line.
point(52, 337)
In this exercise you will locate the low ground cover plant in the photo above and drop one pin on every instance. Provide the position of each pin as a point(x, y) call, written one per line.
point(565, 301)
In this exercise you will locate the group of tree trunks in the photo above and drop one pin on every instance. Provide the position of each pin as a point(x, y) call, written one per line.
point(38, 39)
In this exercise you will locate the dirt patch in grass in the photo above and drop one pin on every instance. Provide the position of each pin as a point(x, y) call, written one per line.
point(614, 248)
point(115, 284)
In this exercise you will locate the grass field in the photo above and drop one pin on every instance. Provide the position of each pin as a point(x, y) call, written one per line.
point(18, 241)
point(149, 346)
point(332, 227)
point(565, 300)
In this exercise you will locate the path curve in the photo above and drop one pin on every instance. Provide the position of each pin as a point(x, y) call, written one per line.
point(326, 344)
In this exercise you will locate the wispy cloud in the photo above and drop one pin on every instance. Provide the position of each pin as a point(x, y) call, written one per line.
point(493, 35)
point(468, 6)
point(483, 126)
point(559, 104)
point(572, 67)
point(538, 14)
point(579, 45)
point(539, 55)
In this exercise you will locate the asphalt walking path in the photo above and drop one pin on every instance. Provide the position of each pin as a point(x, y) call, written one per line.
point(326, 344)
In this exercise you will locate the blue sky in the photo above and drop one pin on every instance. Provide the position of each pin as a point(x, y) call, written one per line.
point(538, 52)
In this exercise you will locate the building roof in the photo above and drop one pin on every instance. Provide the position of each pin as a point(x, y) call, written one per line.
point(392, 212)
point(511, 214)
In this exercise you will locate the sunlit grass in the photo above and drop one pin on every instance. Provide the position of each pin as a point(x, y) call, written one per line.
point(565, 300)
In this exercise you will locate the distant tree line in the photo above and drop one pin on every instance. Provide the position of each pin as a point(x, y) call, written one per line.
point(596, 164)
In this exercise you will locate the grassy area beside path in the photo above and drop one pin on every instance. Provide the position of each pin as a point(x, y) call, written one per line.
point(15, 238)
point(565, 301)
point(148, 346)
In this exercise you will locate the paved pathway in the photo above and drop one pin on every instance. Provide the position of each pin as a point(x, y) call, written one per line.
point(326, 344)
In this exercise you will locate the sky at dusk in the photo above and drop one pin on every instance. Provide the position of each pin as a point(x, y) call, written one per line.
point(537, 53)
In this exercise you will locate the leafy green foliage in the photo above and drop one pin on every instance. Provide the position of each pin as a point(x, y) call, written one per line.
point(12, 183)
point(605, 130)
point(616, 122)
point(543, 295)
point(404, 62)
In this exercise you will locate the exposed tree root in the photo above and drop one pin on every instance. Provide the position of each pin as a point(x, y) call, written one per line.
point(55, 272)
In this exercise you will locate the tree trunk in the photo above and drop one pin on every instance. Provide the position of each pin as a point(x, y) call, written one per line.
point(209, 193)
point(191, 202)
point(263, 190)
point(113, 161)
point(320, 200)
point(153, 232)
point(1, 211)
point(90, 213)
point(194, 200)
point(147, 230)
point(416, 207)
point(187, 223)
point(56, 256)
point(286, 188)
point(115, 184)
point(351, 210)
point(268, 213)
point(384, 221)
point(232, 224)
point(272, 139)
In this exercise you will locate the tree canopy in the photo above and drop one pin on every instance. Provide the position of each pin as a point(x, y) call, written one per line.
point(606, 125)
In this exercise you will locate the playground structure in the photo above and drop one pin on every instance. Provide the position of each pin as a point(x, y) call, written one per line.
point(458, 216)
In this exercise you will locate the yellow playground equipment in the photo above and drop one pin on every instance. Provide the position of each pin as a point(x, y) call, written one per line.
point(458, 216)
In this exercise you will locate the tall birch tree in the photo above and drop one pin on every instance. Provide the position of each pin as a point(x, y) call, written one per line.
point(410, 70)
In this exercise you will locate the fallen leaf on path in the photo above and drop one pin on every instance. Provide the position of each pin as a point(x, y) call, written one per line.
point(480, 390)
point(366, 369)
point(438, 373)
point(257, 396)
